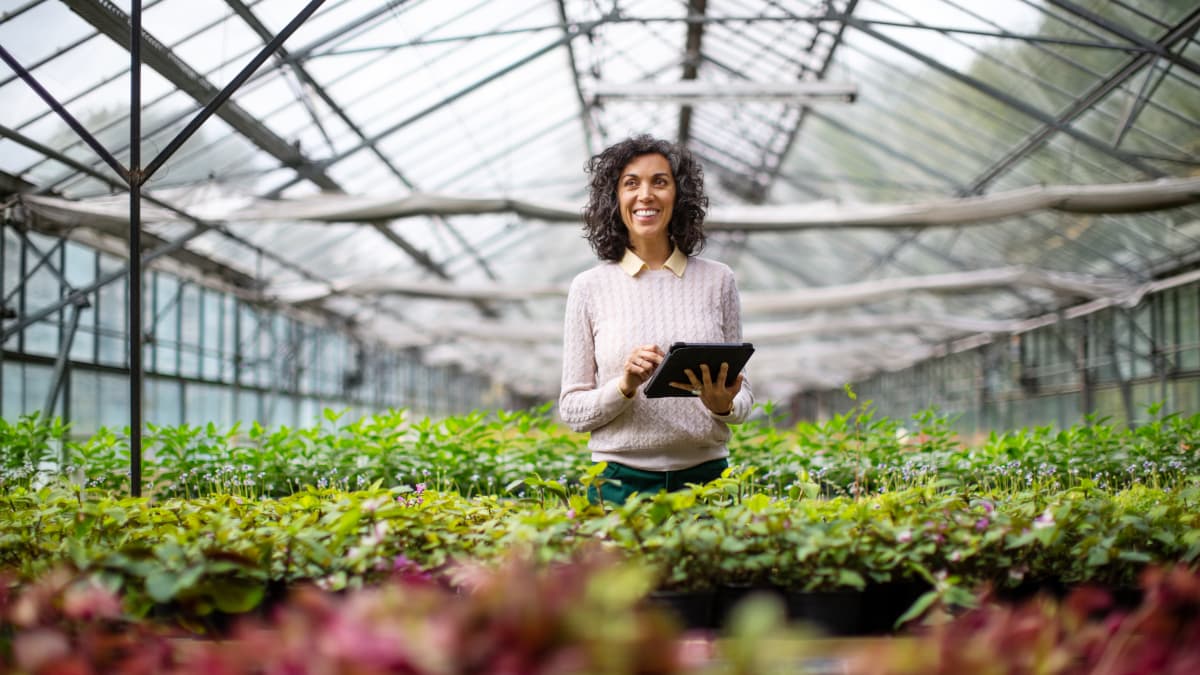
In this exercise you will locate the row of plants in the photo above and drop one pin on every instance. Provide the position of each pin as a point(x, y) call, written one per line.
point(582, 617)
point(225, 554)
point(586, 615)
point(492, 453)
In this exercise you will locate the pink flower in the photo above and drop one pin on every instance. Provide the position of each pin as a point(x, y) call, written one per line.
point(420, 488)
point(571, 514)
point(1045, 520)
point(982, 524)
point(90, 602)
point(904, 537)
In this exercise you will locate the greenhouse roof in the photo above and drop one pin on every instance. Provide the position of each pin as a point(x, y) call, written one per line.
point(890, 179)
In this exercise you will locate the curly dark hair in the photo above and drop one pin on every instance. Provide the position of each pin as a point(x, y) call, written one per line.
point(602, 224)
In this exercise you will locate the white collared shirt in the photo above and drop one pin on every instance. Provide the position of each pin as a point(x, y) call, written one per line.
point(632, 264)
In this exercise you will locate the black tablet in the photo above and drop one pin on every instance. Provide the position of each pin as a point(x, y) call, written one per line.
point(689, 355)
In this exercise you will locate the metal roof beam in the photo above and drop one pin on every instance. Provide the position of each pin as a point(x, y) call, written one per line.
point(14, 13)
point(109, 20)
point(183, 255)
point(883, 146)
point(1082, 67)
point(1051, 122)
point(113, 22)
point(1159, 48)
point(772, 164)
point(216, 103)
point(303, 75)
point(726, 20)
point(572, 33)
point(1084, 103)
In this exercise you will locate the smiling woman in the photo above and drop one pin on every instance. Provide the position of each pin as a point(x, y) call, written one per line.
point(645, 220)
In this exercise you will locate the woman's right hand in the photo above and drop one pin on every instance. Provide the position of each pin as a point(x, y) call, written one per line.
point(640, 365)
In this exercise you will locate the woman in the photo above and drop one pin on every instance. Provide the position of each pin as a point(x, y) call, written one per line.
point(645, 220)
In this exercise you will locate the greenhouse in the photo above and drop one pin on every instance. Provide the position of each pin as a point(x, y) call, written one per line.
point(312, 360)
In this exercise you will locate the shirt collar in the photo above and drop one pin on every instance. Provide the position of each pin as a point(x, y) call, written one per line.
point(632, 265)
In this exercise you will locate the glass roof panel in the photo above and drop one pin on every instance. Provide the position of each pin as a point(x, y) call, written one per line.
point(497, 99)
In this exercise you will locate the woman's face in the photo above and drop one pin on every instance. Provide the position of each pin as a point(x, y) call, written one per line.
point(646, 194)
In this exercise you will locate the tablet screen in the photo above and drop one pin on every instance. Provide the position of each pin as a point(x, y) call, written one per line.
point(688, 356)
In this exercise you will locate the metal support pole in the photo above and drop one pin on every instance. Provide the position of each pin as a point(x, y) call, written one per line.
point(60, 363)
point(1087, 393)
point(135, 250)
point(1122, 382)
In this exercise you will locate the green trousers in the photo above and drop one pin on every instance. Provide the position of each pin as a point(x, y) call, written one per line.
point(633, 480)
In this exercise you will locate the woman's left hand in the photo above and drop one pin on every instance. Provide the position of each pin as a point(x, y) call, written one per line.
point(713, 394)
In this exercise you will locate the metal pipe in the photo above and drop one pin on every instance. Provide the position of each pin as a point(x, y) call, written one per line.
point(134, 176)
point(63, 113)
point(60, 363)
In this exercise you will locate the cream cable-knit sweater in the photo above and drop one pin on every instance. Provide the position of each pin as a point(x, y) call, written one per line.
point(608, 314)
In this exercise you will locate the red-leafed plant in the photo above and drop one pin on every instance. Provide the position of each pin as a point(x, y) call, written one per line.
point(518, 618)
point(1087, 632)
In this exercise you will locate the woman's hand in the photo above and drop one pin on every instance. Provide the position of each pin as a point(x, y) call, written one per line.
point(713, 394)
point(639, 367)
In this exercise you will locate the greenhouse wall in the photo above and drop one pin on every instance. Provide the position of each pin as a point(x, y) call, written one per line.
point(1115, 363)
point(209, 356)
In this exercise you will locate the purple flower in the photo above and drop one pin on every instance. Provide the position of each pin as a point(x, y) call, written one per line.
point(982, 524)
point(1045, 520)
point(988, 507)
point(420, 488)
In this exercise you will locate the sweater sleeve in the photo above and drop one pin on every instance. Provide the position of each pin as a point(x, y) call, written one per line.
point(583, 404)
point(731, 322)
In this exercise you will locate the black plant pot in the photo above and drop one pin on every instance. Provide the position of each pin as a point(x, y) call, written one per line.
point(883, 604)
point(693, 609)
point(831, 612)
point(728, 596)
point(1031, 588)
point(1122, 597)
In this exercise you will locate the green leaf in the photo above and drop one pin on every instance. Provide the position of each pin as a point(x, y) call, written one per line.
point(235, 598)
point(160, 585)
point(918, 608)
point(1135, 556)
point(758, 503)
point(851, 578)
point(163, 585)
